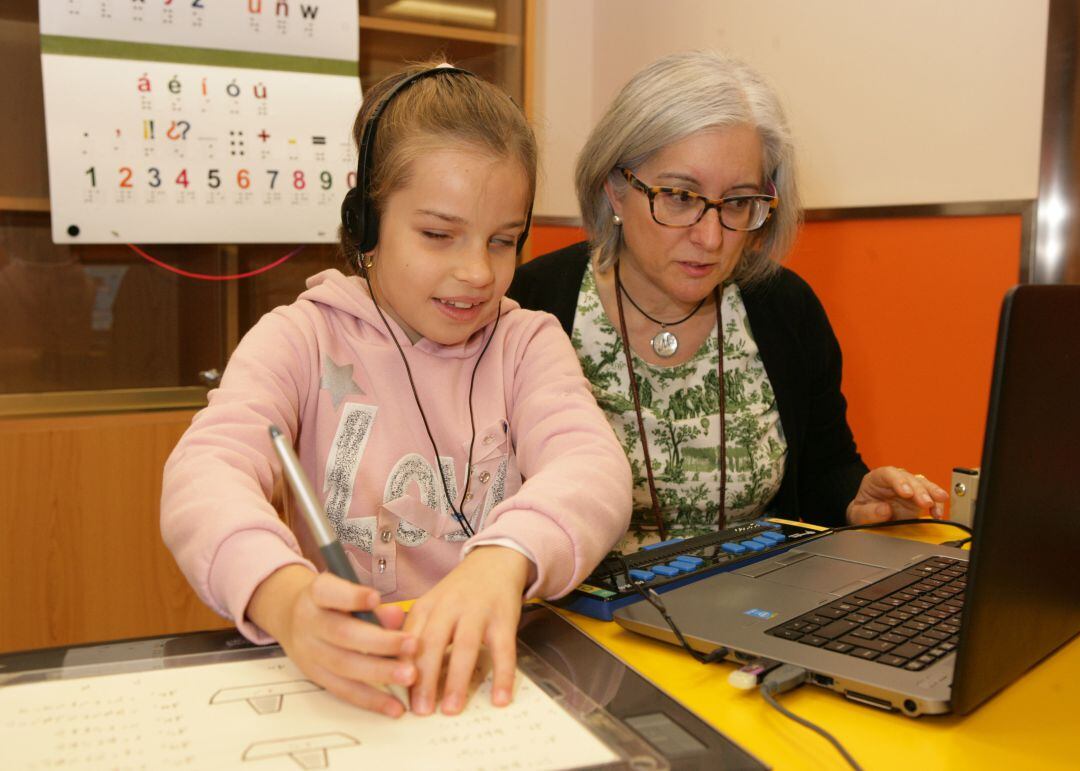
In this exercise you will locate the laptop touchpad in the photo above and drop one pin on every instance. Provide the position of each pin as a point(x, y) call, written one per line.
point(823, 574)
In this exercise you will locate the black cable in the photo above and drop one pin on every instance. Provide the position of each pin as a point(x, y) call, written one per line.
point(908, 521)
point(774, 683)
point(663, 324)
point(472, 420)
point(650, 596)
point(458, 512)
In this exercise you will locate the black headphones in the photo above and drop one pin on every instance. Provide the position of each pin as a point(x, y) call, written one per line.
point(358, 214)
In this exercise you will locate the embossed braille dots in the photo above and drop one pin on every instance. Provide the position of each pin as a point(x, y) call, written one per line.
point(236, 143)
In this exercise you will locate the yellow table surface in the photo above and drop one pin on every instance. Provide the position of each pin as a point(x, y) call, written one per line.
point(1032, 724)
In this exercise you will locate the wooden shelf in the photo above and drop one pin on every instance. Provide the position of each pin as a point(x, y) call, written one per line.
point(443, 31)
point(20, 203)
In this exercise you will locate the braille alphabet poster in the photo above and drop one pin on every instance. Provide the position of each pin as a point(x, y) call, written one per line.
point(195, 121)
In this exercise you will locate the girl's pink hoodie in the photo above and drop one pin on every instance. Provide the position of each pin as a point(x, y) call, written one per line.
point(548, 477)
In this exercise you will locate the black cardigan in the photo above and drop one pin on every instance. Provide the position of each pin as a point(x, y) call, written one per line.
point(801, 357)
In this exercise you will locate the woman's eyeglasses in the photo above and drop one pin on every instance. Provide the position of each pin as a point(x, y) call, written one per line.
point(676, 208)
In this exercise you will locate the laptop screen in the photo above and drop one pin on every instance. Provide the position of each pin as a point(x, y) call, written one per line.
point(1023, 598)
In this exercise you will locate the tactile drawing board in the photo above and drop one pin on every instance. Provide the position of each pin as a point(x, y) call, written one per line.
point(264, 714)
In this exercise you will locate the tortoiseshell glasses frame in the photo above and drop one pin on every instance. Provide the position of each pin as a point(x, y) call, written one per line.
point(674, 207)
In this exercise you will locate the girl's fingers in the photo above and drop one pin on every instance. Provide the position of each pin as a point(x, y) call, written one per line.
point(350, 665)
point(363, 695)
point(352, 634)
point(503, 648)
point(334, 593)
point(336, 599)
point(434, 638)
point(415, 620)
point(391, 616)
point(462, 664)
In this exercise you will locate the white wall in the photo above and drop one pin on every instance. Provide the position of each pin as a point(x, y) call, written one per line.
point(921, 101)
point(563, 100)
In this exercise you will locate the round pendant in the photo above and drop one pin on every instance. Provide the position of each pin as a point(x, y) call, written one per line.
point(664, 344)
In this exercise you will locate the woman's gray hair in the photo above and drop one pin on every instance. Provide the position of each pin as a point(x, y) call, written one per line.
point(669, 100)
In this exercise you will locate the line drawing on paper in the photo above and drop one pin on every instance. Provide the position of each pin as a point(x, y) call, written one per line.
point(308, 752)
point(265, 699)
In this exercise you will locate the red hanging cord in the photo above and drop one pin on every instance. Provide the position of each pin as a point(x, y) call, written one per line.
point(208, 276)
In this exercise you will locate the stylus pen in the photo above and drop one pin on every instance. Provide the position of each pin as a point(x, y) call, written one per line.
point(329, 545)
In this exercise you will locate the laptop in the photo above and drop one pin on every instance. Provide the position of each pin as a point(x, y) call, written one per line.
point(915, 627)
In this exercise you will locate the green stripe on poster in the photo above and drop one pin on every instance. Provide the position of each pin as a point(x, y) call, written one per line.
point(117, 49)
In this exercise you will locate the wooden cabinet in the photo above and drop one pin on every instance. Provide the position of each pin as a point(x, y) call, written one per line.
point(81, 556)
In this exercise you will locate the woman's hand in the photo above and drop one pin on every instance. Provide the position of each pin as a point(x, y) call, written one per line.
point(310, 615)
point(478, 602)
point(888, 492)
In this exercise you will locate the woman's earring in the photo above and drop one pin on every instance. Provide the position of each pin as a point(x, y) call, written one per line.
point(367, 261)
point(616, 219)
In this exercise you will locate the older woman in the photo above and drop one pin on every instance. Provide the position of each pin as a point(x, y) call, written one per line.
point(677, 305)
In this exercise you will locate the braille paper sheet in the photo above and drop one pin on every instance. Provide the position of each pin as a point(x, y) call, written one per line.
point(265, 715)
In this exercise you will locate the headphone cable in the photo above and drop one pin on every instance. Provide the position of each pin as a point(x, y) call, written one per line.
point(457, 513)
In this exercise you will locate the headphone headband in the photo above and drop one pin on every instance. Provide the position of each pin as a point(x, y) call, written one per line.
point(358, 214)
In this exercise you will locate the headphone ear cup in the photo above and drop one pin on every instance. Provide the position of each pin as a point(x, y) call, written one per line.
point(360, 220)
point(350, 214)
point(368, 236)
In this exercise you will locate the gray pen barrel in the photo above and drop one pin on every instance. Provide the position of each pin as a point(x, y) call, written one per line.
point(310, 504)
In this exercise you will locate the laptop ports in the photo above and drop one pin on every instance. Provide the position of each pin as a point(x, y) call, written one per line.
point(871, 701)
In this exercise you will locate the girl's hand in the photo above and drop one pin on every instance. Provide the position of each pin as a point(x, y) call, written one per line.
point(478, 602)
point(309, 614)
point(888, 492)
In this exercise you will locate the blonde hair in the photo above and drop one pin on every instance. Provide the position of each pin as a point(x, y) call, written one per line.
point(674, 97)
point(436, 113)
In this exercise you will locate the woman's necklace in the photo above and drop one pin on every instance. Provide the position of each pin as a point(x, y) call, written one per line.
point(664, 343)
point(657, 514)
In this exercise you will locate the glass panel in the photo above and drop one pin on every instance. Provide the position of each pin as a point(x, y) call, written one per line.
point(92, 317)
point(383, 53)
point(280, 285)
point(22, 133)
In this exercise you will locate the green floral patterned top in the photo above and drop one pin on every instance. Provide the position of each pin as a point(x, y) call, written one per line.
point(682, 422)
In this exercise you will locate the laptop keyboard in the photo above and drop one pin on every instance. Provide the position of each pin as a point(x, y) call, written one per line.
point(910, 619)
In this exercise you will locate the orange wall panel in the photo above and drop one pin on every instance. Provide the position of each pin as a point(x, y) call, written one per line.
point(914, 303)
point(549, 238)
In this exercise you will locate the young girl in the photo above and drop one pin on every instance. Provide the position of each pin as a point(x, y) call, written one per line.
point(461, 457)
